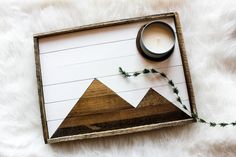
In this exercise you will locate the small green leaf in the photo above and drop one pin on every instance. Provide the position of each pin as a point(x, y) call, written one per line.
point(202, 120)
point(123, 72)
point(163, 74)
point(120, 70)
point(145, 71)
point(175, 90)
point(185, 107)
point(212, 124)
point(179, 99)
point(223, 124)
point(154, 71)
point(233, 123)
point(171, 83)
point(136, 74)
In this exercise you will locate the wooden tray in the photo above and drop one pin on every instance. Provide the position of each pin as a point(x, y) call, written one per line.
point(82, 95)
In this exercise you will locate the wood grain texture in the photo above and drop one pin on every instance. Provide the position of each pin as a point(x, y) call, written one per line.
point(185, 63)
point(40, 90)
point(115, 132)
point(97, 111)
point(97, 99)
point(104, 24)
point(125, 127)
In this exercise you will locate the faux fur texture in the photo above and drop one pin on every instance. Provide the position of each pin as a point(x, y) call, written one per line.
point(209, 29)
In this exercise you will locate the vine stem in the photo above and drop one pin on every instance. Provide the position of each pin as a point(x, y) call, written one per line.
point(176, 92)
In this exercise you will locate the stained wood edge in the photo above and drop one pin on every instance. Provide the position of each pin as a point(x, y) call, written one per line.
point(120, 131)
point(40, 90)
point(185, 63)
point(104, 24)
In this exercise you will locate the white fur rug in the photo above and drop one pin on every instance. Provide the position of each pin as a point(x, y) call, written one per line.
point(209, 29)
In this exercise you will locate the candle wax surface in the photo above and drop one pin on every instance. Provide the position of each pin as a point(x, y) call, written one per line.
point(158, 38)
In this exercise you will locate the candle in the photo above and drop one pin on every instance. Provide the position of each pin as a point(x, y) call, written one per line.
point(157, 40)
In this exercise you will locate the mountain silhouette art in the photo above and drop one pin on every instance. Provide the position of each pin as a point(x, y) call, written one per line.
point(101, 109)
point(153, 98)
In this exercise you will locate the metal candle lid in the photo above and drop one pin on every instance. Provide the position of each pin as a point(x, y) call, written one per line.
point(156, 40)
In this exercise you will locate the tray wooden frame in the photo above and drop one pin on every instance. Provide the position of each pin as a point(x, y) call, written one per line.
point(117, 131)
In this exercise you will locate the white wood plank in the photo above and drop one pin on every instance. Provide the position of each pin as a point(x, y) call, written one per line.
point(88, 54)
point(167, 91)
point(53, 125)
point(90, 37)
point(102, 68)
point(117, 83)
point(65, 91)
point(59, 110)
point(133, 97)
point(91, 54)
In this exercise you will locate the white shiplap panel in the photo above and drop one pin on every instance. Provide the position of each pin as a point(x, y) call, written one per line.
point(88, 54)
point(92, 37)
point(117, 83)
point(70, 62)
point(87, 38)
point(102, 68)
point(65, 91)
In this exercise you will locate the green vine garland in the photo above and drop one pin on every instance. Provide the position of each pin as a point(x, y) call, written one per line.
point(176, 92)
